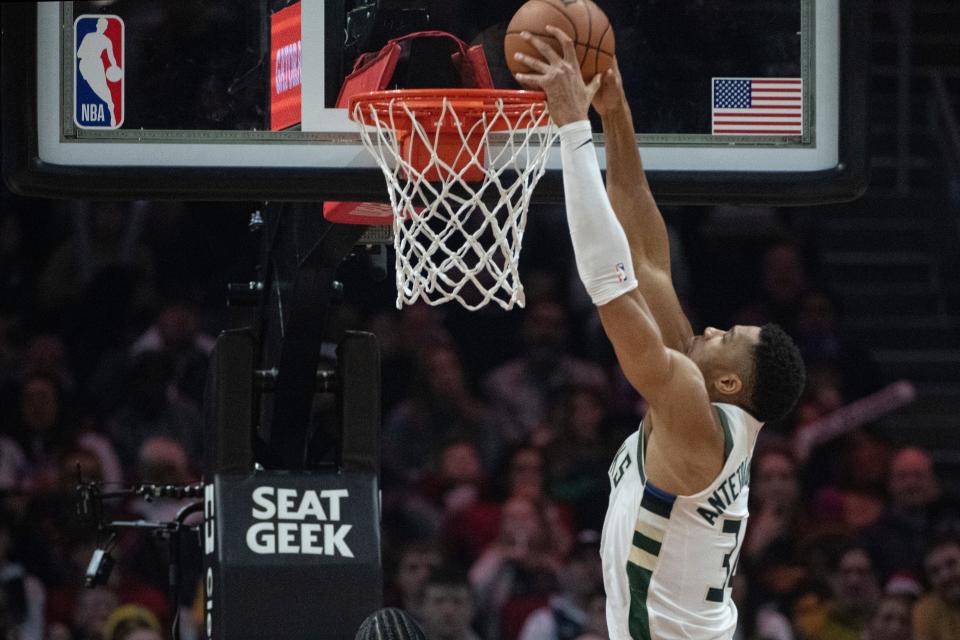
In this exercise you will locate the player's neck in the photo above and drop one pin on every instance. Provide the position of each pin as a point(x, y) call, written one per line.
point(723, 398)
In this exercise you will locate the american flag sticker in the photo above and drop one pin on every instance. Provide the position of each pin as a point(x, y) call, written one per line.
point(757, 106)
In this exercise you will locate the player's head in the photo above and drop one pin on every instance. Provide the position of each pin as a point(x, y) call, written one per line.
point(757, 368)
point(102, 25)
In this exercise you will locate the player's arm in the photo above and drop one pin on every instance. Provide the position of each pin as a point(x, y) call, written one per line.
point(638, 213)
point(667, 379)
point(627, 184)
point(670, 382)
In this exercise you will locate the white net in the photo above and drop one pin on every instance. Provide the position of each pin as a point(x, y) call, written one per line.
point(461, 196)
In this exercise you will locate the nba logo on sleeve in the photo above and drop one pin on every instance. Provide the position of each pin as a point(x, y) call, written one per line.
point(621, 273)
point(98, 72)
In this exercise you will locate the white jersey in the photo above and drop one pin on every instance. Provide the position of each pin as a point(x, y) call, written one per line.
point(668, 560)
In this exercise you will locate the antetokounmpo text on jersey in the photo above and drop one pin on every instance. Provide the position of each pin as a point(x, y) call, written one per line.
point(728, 491)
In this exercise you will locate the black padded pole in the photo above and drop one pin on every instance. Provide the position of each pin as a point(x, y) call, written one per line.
point(309, 305)
point(229, 404)
point(358, 363)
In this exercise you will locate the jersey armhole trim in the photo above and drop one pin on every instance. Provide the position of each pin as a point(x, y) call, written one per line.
point(644, 436)
point(641, 451)
point(727, 433)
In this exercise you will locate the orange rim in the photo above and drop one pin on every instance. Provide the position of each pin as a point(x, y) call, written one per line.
point(468, 104)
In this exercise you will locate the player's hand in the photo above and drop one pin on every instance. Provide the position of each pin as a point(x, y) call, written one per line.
point(610, 98)
point(568, 96)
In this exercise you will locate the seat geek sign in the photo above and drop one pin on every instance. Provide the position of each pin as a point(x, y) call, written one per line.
point(297, 517)
point(306, 522)
point(272, 536)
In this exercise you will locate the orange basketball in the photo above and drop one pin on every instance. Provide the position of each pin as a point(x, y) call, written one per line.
point(582, 20)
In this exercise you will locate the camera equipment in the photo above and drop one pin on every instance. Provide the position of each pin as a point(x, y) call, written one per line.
point(90, 502)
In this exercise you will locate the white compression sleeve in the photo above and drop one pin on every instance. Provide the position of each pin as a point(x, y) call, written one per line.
point(599, 243)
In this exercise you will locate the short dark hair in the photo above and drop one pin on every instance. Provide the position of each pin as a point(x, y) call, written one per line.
point(778, 375)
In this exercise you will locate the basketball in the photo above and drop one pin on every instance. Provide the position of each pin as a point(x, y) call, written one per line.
point(585, 23)
point(114, 74)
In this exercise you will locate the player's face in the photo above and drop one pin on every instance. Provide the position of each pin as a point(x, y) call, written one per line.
point(731, 350)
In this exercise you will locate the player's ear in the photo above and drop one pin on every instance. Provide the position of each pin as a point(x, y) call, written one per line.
point(729, 384)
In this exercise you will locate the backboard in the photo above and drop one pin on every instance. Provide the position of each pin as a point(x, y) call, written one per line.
point(202, 84)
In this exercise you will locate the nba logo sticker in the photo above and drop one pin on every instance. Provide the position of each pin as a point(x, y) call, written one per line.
point(98, 72)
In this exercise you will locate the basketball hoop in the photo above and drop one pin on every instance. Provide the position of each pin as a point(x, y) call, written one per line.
point(460, 166)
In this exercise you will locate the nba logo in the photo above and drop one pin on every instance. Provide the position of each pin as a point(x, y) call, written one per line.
point(621, 273)
point(98, 72)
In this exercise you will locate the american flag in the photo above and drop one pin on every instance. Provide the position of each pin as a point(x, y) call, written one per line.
point(757, 106)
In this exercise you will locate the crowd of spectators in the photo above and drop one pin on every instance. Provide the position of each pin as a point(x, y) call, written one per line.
point(498, 431)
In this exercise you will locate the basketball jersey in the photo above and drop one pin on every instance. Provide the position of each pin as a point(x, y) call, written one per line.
point(668, 560)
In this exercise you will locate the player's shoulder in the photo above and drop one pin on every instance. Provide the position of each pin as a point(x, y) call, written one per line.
point(687, 379)
point(688, 388)
point(634, 435)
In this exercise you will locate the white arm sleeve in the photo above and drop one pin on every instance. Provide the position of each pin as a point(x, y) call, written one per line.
point(599, 243)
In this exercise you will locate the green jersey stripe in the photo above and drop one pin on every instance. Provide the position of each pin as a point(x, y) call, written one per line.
point(727, 434)
point(647, 544)
point(641, 445)
point(657, 501)
point(639, 617)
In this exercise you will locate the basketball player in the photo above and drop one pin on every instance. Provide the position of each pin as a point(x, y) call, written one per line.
point(678, 502)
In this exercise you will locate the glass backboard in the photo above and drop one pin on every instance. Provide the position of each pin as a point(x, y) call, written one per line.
point(202, 84)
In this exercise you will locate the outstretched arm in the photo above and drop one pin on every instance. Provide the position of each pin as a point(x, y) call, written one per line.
point(627, 184)
point(670, 382)
point(637, 211)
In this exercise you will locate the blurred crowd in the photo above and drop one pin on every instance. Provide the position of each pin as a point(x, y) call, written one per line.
point(498, 432)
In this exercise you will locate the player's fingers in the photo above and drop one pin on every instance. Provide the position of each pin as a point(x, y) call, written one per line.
point(548, 52)
point(594, 85)
point(533, 63)
point(530, 79)
point(611, 79)
point(566, 43)
point(614, 71)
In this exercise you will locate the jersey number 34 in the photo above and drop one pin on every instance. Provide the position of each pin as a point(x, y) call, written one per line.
point(730, 561)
